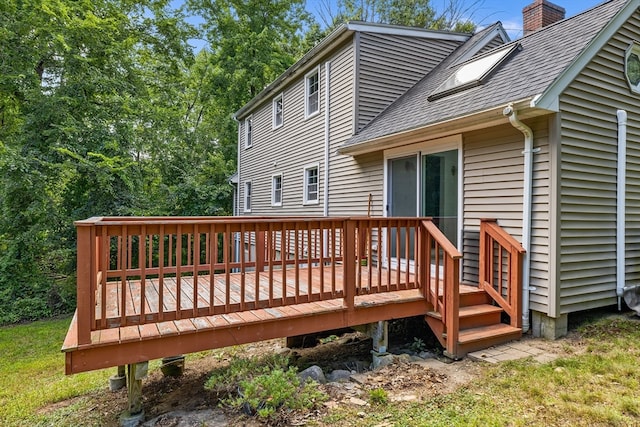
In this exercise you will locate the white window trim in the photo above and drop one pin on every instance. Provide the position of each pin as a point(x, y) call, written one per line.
point(273, 189)
point(305, 200)
point(247, 143)
point(273, 111)
point(307, 114)
point(245, 207)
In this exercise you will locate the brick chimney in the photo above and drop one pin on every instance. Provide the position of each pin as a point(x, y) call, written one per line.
point(539, 14)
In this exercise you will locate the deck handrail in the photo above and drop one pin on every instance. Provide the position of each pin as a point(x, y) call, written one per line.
point(124, 258)
point(500, 272)
point(443, 293)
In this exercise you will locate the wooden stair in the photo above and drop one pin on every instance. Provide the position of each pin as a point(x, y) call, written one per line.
point(480, 323)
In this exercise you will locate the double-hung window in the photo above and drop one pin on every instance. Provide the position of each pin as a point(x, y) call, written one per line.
point(276, 190)
point(312, 93)
point(278, 111)
point(248, 132)
point(311, 184)
point(247, 196)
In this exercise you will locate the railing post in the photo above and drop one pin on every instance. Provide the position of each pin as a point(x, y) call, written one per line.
point(452, 303)
point(424, 263)
point(259, 250)
point(516, 287)
point(85, 279)
point(482, 255)
point(349, 262)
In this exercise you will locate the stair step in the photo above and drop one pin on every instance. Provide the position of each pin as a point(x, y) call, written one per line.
point(473, 296)
point(471, 311)
point(486, 336)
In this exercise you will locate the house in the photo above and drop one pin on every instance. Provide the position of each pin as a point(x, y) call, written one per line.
point(541, 133)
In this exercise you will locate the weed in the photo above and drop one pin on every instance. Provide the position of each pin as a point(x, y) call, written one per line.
point(378, 396)
point(267, 388)
point(418, 345)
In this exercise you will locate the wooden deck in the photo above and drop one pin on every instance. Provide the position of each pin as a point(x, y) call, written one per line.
point(156, 287)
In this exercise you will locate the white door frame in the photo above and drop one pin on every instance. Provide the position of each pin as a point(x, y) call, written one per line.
point(453, 142)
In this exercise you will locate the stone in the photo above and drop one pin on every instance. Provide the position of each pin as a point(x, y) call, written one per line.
point(427, 355)
point(358, 402)
point(381, 360)
point(315, 373)
point(339, 375)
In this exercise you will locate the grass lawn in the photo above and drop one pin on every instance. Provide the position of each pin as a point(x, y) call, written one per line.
point(596, 384)
point(32, 374)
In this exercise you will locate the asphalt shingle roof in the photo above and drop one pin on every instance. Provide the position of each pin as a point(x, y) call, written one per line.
point(544, 55)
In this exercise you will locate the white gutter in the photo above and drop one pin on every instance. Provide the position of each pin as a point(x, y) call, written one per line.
point(621, 205)
point(327, 92)
point(512, 114)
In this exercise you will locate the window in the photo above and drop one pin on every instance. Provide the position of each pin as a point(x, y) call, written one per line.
point(473, 73)
point(248, 132)
point(278, 112)
point(312, 93)
point(276, 190)
point(247, 196)
point(311, 184)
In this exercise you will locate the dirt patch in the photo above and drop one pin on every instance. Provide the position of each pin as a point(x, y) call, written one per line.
point(184, 401)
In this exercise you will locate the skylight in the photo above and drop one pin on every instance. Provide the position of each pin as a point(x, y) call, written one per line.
point(472, 73)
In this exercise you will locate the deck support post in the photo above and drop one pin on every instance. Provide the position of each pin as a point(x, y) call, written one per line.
point(119, 380)
point(135, 413)
point(379, 332)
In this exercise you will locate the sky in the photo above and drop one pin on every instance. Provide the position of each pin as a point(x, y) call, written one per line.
point(509, 12)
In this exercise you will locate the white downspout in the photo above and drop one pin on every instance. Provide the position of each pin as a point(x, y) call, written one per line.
point(621, 205)
point(327, 92)
point(511, 113)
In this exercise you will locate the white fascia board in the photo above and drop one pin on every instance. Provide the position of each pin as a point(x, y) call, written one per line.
point(549, 99)
point(478, 120)
point(406, 31)
point(480, 44)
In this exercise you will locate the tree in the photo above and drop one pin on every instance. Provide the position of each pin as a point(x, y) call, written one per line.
point(85, 93)
point(456, 15)
point(251, 43)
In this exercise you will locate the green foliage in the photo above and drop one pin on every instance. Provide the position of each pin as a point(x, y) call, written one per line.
point(378, 396)
point(267, 388)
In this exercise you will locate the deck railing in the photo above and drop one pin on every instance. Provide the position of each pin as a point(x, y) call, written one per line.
point(501, 269)
point(134, 271)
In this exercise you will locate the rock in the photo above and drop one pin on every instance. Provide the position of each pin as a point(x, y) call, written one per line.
point(356, 401)
point(381, 360)
point(339, 375)
point(205, 418)
point(404, 398)
point(403, 358)
point(315, 373)
point(426, 355)
point(359, 378)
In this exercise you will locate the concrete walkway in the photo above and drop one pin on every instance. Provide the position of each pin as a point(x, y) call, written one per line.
point(513, 351)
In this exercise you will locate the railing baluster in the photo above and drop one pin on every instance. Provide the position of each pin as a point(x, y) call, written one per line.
point(227, 268)
point(213, 260)
point(242, 269)
point(161, 264)
point(196, 265)
point(123, 277)
point(141, 263)
point(179, 272)
point(104, 268)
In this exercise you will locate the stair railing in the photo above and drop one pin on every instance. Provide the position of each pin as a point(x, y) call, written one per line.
point(441, 276)
point(501, 269)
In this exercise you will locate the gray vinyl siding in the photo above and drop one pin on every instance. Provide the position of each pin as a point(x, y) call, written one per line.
point(286, 150)
point(351, 178)
point(389, 65)
point(588, 178)
point(493, 188)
